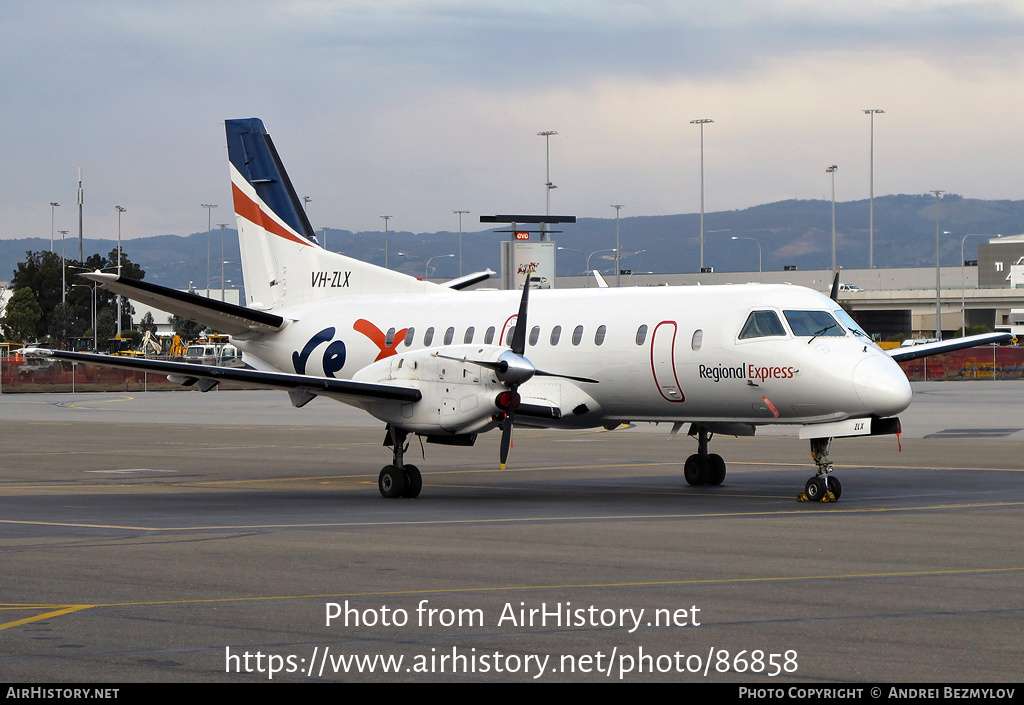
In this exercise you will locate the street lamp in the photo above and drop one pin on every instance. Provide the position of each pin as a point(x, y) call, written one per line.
point(209, 233)
point(63, 269)
point(53, 205)
point(325, 237)
point(306, 200)
point(120, 210)
point(548, 186)
point(597, 252)
point(938, 292)
point(222, 263)
point(426, 269)
point(832, 170)
point(737, 237)
point(460, 214)
point(386, 219)
point(618, 269)
point(702, 122)
point(871, 197)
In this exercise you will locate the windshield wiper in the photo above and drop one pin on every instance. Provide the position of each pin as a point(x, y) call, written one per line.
point(824, 330)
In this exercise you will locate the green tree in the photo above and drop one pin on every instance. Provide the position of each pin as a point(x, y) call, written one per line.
point(22, 316)
point(41, 272)
point(147, 324)
point(65, 323)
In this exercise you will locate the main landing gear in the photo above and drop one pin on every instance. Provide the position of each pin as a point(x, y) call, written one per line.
point(399, 479)
point(703, 468)
point(822, 487)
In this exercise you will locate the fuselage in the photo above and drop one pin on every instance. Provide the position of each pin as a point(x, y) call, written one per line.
point(659, 354)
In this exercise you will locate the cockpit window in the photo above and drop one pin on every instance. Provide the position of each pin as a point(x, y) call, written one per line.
point(813, 323)
point(848, 321)
point(761, 324)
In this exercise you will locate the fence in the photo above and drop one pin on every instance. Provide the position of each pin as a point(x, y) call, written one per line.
point(43, 375)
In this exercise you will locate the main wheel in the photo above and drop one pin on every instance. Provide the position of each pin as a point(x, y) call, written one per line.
point(716, 469)
point(834, 486)
point(413, 481)
point(391, 482)
point(815, 489)
point(695, 470)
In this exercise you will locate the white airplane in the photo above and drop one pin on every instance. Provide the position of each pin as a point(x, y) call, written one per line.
point(447, 364)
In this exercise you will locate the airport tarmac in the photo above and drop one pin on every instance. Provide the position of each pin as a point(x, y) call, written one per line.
point(165, 536)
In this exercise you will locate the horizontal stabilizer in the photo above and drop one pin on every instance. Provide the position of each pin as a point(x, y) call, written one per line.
point(945, 346)
point(237, 321)
point(341, 389)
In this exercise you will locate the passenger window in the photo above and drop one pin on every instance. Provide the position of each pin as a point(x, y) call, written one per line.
point(813, 323)
point(489, 336)
point(641, 334)
point(428, 337)
point(762, 324)
point(556, 333)
point(469, 335)
point(449, 336)
point(511, 334)
point(599, 336)
point(577, 335)
point(534, 335)
point(409, 335)
point(390, 337)
point(697, 340)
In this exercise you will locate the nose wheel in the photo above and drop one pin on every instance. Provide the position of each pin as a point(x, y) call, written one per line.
point(823, 487)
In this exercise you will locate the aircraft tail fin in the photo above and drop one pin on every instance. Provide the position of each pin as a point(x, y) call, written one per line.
point(282, 264)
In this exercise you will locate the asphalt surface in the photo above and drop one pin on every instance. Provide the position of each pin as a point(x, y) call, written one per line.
point(164, 536)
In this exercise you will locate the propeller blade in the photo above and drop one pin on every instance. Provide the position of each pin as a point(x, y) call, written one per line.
point(542, 373)
point(506, 441)
point(506, 431)
point(519, 335)
point(834, 295)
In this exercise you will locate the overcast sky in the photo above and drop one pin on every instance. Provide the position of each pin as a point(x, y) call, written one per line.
point(418, 108)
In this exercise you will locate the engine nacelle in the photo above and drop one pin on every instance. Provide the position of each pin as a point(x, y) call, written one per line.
point(458, 397)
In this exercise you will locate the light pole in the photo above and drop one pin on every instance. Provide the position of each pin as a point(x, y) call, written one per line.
point(63, 270)
point(596, 253)
point(386, 219)
point(426, 269)
point(832, 170)
point(548, 186)
point(938, 292)
point(53, 205)
point(871, 191)
point(120, 210)
point(460, 214)
point(702, 122)
point(306, 200)
point(221, 226)
point(581, 252)
point(618, 269)
point(325, 236)
point(209, 233)
point(737, 237)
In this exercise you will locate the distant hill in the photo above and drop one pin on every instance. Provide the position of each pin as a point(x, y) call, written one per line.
point(793, 232)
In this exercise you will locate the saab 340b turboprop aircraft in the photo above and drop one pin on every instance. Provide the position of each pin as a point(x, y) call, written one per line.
point(447, 364)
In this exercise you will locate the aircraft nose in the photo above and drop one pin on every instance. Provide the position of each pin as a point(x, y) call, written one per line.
point(881, 386)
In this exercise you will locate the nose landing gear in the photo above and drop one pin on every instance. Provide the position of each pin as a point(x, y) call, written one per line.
point(822, 487)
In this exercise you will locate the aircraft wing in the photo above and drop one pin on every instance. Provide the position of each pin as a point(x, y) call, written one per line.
point(306, 386)
point(945, 346)
point(237, 321)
